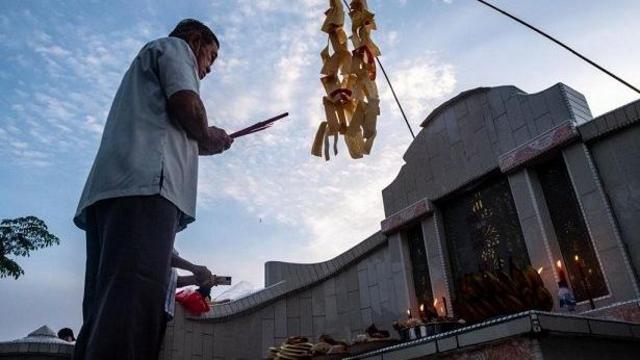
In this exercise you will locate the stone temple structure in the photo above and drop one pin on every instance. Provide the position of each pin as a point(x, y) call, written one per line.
point(40, 344)
point(495, 176)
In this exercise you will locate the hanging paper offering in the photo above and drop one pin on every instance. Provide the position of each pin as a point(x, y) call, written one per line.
point(351, 103)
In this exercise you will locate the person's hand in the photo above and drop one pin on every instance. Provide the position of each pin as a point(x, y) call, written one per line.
point(203, 276)
point(218, 141)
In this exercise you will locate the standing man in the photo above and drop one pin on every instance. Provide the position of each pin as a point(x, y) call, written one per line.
point(141, 190)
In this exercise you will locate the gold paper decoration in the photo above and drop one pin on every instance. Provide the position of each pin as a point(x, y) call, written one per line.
point(352, 104)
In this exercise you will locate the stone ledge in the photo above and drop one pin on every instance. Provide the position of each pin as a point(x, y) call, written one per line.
point(612, 121)
point(532, 323)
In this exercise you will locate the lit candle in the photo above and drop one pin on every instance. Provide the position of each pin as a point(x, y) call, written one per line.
point(540, 270)
point(421, 311)
point(409, 313)
point(435, 306)
point(561, 276)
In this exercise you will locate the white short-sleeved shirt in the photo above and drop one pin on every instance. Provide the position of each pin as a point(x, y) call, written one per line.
point(142, 151)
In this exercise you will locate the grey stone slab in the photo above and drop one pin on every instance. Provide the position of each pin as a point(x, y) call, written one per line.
point(521, 135)
point(384, 290)
point(342, 295)
point(317, 301)
point(610, 328)
point(537, 105)
point(372, 274)
point(564, 324)
point(514, 112)
point(352, 279)
point(280, 309)
point(197, 343)
point(494, 332)
point(588, 131)
point(267, 313)
point(331, 311)
point(306, 317)
point(207, 347)
point(364, 291)
point(412, 352)
point(611, 121)
point(355, 320)
point(366, 316)
point(451, 126)
point(373, 357)
point(582, 176)
point(318, 326)
point(543, 123)
point(329, 287)
point(505, 135)
point(448, 343)
point(362, 264)
point(374, 296)
point(293, 326)
point(293, 306)
point(496, 103)
point(617, 274)
point(557, 104)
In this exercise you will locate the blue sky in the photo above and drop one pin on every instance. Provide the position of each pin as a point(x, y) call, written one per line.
point(267, 198)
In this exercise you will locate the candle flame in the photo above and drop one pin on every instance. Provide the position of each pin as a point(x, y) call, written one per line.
point(408, 312)
point(421, 307)
point(435, 302)
point(559, 264)
point(540, 270)
point(442, 309)
point(576, 258)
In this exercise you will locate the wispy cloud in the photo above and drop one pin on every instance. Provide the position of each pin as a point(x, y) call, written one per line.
point(421, 81)
point(60, 111)
point(333, 204)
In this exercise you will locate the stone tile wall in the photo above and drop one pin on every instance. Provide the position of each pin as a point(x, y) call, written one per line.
point(462, 139)
point(370, 289)
point(617, 158)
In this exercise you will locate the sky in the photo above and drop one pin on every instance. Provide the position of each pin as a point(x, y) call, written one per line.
point(267, 198)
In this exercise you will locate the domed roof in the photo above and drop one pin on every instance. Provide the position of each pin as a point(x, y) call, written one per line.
point(41, 340)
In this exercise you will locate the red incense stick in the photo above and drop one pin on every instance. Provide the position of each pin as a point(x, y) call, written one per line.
point(258, 126)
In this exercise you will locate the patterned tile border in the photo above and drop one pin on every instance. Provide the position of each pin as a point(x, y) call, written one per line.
point(549, 140)
point(402, 217)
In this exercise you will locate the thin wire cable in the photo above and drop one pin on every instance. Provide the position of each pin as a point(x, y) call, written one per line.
point(404, 116)
point(574, 52)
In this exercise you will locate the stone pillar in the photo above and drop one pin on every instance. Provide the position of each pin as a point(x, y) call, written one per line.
point(537, 229)
point(437, 256)
point(599, 220)
point(401, 269)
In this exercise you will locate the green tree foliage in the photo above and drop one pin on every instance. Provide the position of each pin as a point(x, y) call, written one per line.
point(18, 237)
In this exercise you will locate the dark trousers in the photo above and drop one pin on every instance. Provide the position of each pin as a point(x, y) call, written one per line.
point(129, 243)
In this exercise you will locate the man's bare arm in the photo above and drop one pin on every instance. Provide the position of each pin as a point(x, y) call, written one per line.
point(187, 110)
point(201, 275)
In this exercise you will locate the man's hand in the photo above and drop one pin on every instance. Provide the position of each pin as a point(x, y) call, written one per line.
point(217, 141)
point(187, 111)
point(203, 276)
